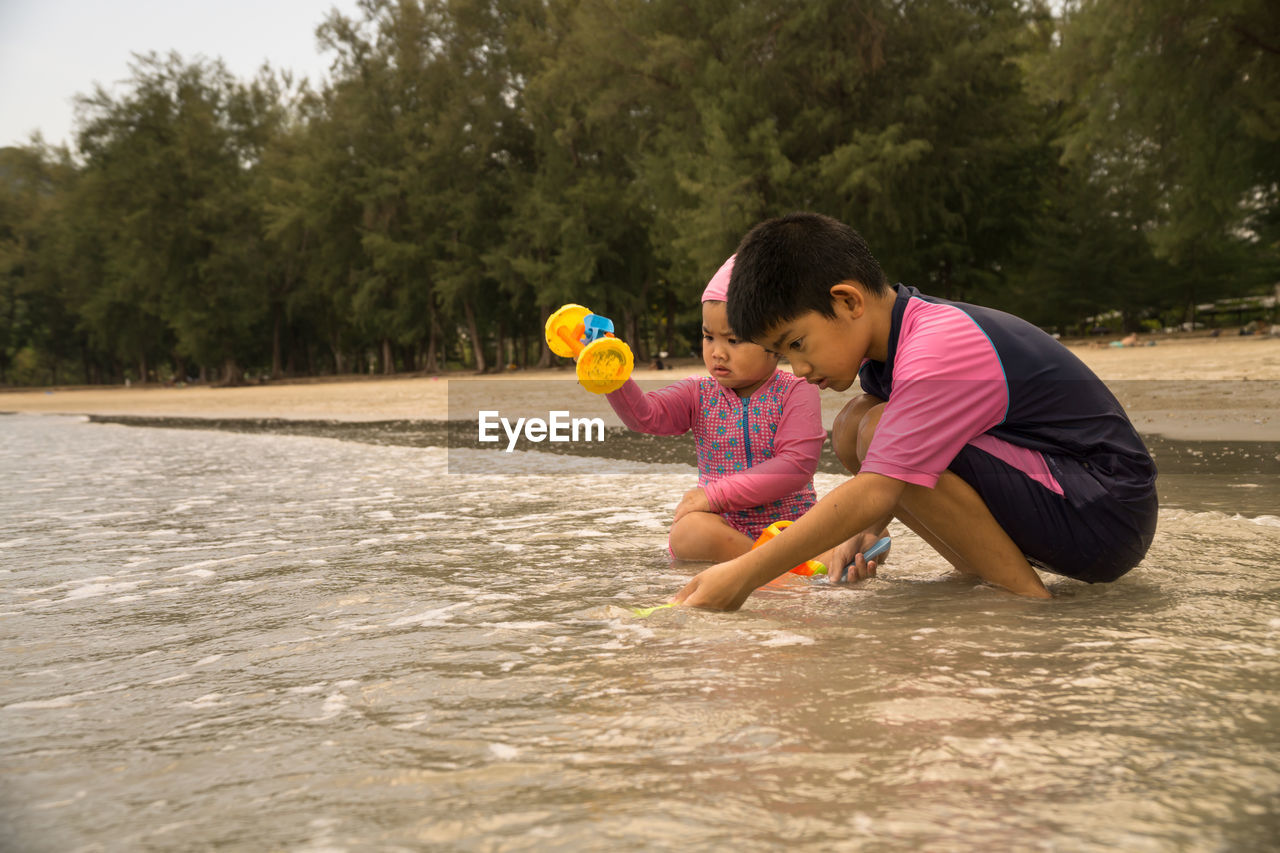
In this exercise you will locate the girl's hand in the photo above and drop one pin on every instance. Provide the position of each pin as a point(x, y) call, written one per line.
point(694, 500)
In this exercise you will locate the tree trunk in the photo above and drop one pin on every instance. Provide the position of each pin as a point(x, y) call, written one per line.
point(477, 345)
point(670, 331)
point(947, 281)
point(142, 369)
point(430, 365)
point(503, 356)
point(339, 362)
point(275, 342)
point(634, 338)
point(388, 358)
point(640, 339)
point(231, 373)
point(544, 351)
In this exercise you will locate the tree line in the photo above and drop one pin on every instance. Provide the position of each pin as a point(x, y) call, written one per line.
point(469, 165)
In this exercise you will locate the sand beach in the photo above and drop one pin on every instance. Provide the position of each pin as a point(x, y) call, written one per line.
point(1195, 388)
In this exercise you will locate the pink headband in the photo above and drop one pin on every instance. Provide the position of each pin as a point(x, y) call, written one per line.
point(718, 288)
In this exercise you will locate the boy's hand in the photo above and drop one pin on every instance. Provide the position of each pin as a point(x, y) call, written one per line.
point(721, 587)
point(859, 570)
point(694, 500)
point(845, 553)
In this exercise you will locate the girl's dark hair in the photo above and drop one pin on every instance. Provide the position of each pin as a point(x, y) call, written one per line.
point(786, 267)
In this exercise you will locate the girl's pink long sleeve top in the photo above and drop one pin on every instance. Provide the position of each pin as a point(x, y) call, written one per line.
point(785, 412)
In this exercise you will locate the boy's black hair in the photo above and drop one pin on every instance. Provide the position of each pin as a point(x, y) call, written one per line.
point(786, 267)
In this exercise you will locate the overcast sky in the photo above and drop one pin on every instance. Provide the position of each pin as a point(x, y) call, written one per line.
point(52, 50)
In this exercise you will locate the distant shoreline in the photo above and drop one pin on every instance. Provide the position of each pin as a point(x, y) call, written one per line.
point(1200, 388)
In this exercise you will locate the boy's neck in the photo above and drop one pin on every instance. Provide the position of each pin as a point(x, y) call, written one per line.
point(879, 317)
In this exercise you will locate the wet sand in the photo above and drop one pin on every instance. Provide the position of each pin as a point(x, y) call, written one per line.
point(1225, 389)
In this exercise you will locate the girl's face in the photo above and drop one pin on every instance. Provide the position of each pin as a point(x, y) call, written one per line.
point(738, 365)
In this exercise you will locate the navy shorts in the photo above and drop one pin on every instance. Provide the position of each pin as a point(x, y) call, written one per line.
point(1086, 533)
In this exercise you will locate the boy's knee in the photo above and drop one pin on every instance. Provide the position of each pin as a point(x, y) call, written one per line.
point(846, 429)
point(867, 430)
point(852, 429)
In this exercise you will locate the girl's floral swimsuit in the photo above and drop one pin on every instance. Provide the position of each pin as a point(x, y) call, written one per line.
point(756, 455)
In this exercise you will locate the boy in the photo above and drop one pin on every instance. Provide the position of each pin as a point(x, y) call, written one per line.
point(977, 430)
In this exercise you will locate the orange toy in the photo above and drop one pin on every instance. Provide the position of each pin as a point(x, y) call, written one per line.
point(808, 568)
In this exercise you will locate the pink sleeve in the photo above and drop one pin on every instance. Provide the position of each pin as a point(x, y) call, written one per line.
point(667, 411)
point(948, 388)
point(797, 445)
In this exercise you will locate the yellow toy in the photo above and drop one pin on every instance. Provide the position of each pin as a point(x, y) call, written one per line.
point(604, 361)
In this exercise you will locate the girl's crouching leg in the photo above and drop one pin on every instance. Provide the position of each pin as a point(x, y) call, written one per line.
point(706, 537)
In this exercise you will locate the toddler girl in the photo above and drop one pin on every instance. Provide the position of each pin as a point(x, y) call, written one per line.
point(758, 431)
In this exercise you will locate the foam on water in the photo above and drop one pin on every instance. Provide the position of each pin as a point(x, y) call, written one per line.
point(212, 638)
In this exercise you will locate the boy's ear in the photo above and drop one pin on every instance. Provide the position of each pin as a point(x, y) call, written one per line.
point(849, 295)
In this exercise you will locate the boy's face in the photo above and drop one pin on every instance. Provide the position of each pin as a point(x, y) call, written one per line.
point(825, 351)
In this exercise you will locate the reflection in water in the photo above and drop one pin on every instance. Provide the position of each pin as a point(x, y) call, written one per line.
point(290, 642)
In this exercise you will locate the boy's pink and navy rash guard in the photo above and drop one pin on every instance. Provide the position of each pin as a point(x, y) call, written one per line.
point(960, 374)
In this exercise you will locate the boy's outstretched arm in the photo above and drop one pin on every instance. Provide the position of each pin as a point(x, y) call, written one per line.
point(862, 502)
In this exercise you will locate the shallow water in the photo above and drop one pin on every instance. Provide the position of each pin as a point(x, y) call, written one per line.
point(265, 641)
